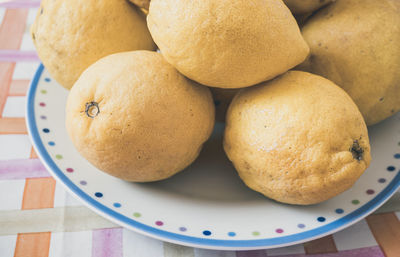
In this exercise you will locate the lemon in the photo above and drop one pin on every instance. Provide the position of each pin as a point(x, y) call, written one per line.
point(135, 117)
point(224, 43)
point(71, 35)
point(297, 139)
point(356, 44)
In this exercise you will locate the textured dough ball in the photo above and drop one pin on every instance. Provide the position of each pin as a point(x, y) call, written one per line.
point(137, 118)
point(356, 44)
point(224, 43)
point(298, 139)
point(71, 35)
point(305, 6)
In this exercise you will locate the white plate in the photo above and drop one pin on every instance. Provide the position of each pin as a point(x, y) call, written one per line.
point(206, 205)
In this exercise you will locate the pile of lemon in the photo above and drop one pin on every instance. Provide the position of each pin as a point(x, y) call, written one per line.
point(306, 78)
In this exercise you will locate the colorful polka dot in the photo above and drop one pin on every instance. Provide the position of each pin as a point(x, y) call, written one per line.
point(279, 231)
point(321, 219)
point(98, 194)
point(43, 91)
point(117, 205)
point(256, 233)
point(46, 130)
point(355, 202)
point(183, 229)
point(339, 211)
point(70, 170)
point(59, 156)
point(301, 225)
point(43, 117)
point(381, 180)
point(137, 214)
point(206, 232)
point(370, 192)
point(83, 182)
point(42, 104)
point(47, 79)
point(397, 156)
point(51, 143)
point(159, 223)
point(390, 168)
point(231, 234)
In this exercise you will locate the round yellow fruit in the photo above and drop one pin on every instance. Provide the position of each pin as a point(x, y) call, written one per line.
point(224, 43)
point(137, 118)
point(297, 139)
point(71, 35)
point(305, 6)
point(356, 44)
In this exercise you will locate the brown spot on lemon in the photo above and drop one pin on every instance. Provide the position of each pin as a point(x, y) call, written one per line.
point(357, 151)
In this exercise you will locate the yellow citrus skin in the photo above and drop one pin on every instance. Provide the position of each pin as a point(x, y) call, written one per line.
point(356, 44)
point(298, 139)
point(71, 35)
point(225, 43)
point(137, 118)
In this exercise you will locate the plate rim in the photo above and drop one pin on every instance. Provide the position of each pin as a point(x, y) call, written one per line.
point(208, 243)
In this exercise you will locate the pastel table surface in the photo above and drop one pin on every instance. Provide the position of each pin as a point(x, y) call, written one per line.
point(39, 218)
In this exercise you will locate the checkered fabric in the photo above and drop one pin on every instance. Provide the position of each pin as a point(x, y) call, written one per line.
point(39, 219)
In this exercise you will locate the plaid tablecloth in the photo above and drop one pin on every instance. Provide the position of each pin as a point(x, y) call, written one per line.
point(38, 218)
